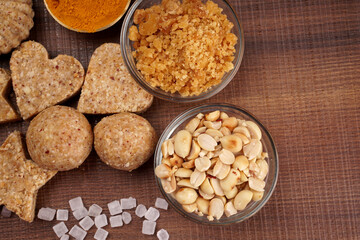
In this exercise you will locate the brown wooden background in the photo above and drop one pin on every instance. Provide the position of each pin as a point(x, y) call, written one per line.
point(300, 76)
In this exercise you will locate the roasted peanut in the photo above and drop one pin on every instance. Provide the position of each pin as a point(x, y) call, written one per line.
point(216, 134)
point(206, 142)
point(212, 116)
point(199, 131)
point(202, 164)
point(229, 209)
point(254, 168)
point(230, 123)
point(216, 208)
point(241, 162)
point(200, 116)
point(232, 193)
point(195, 150)
point(183, 143)
point(163, 171)
point(164, 149)
point(203, 205)
point(253, 149)
point(221, 170)
point(212, 125)
point(244, 139)
point(166, 161)
point(222, 198)
point(192, 125)
point(243, 177)
point(186, 196)
point(256, 184)
point(210, 155)
point(169, 186)
point(243, 130)
point(206, 187)
point(223, 115)
point(171, 148)
point(264, 169)
point(189, 164)
point(176, 161)
point(242, 199)
point(183, 173)
point(227, 157)
point(254, 130)
point(225, 131)
point(185, 183)
point(230, 181)
point(206, 196)
point(215, 183)
point(257, 196)
point(203, 153)
point(197, 178)
point(232, 143)
point(190, 208)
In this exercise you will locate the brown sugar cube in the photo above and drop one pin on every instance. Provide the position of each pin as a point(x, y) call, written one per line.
point(59, 138)
point(39, 82)
point(124, 141)
point(7, 113)
point(20, 179)
point(109, 87)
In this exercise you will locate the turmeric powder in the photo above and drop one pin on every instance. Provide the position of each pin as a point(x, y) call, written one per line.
point(87, 15)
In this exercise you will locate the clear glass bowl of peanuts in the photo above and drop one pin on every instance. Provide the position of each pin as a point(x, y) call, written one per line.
point(216, 164)
point(182, 51)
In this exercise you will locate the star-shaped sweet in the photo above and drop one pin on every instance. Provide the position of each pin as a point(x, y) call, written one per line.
point(7, 113)
point(20, 179)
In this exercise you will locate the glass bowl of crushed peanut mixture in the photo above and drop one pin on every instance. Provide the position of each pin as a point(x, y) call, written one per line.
point(216, 164)
point(182, 51)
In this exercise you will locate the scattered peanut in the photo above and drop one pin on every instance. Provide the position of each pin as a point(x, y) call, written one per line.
point(215, 165)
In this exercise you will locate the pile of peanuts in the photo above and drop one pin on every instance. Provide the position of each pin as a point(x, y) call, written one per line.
point(215, 165)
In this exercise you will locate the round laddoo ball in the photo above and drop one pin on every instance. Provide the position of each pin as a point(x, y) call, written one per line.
point(59, 138)
point(124, 141)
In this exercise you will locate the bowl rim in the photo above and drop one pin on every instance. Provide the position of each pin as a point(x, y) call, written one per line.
point(82, 31)
point(169, 130)
point(159, 93)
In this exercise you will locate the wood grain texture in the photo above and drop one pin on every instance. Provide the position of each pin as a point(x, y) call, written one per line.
point(300, 76)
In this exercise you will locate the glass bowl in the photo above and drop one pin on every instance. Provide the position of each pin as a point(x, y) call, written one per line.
point(82, 31)
point(268, 146)
point(127, 48)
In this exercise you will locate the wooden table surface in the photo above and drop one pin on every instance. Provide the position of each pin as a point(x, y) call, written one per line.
point(300, 76)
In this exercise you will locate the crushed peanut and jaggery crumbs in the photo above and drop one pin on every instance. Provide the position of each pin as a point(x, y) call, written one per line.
point(183, 47)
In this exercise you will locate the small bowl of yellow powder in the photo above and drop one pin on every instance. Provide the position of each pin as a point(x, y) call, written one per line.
point(87, 16)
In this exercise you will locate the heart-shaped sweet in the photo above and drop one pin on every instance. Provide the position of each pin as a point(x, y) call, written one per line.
point(39, 82)
point(109, 87)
